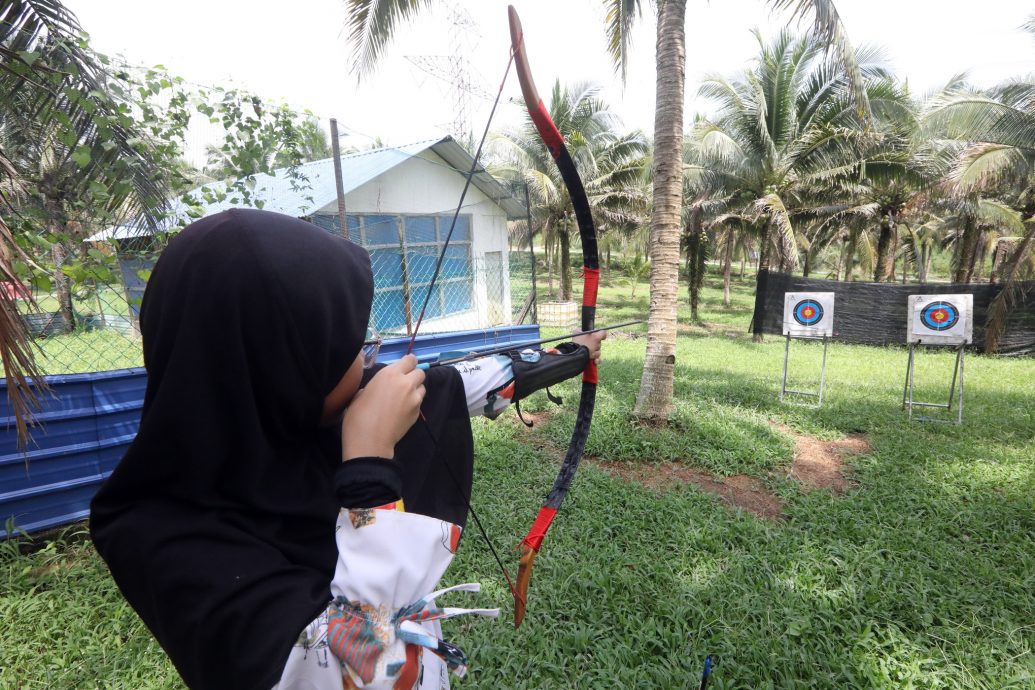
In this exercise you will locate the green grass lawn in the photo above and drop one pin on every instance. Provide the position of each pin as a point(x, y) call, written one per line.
point(107, 299)
point(86, 351)
point(922, 576)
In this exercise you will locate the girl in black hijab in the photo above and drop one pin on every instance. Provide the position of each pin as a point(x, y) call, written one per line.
point(218, 525)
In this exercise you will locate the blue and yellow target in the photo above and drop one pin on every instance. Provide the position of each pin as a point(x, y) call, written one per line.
point(808, 312)
point(940, 316)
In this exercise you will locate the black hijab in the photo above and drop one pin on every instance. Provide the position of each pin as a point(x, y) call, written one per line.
point(218, 524)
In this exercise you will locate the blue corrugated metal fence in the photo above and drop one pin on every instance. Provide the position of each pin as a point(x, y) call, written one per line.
point(91, 419)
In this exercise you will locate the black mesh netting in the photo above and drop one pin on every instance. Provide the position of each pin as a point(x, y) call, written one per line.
point(875, 313)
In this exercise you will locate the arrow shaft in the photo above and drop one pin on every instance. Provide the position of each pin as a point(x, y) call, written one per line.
point(529, 343)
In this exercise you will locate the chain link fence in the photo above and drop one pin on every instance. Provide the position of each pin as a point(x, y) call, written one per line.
point(88, 298)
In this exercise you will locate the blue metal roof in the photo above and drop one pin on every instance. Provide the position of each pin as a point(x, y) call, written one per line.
point(277, 191)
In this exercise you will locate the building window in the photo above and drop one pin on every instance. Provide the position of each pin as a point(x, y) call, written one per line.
point(403, 252)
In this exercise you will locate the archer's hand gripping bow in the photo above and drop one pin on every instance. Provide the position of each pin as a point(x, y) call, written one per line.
point(554, 141)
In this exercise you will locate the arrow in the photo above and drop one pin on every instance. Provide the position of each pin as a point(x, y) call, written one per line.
point(514, 346)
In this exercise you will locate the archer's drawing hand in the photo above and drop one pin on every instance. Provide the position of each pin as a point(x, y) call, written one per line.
point(382, 412)
point(592, 342)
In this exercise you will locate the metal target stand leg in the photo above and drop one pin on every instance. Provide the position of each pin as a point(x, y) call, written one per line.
point(784, 390)
point(955, 390)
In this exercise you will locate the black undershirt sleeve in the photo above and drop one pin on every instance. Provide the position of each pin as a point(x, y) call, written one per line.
point(368, 482)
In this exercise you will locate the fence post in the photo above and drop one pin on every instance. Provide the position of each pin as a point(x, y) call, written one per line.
point(339, 184)
point(531, 254)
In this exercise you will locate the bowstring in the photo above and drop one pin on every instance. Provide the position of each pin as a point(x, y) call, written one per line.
point(463, 195)
point(420, 319)
point(477, 520)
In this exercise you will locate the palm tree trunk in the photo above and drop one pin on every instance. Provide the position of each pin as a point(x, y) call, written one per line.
point(726, 270)
point(548, 246)
point(62, 286)
point(979, 262)
point(565, 239)
point(764, 249)
point(884, 264)
point(967, 253)
point(763, 265)
point(696, 251)
point(59, 253)
point(654, 400)
point(846, 259)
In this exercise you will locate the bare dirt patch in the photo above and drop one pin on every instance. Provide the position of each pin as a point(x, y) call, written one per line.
point(817, 464)
point(820, 464)
point(740, 491)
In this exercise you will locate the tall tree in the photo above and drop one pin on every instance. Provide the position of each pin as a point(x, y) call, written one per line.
point(84, 145)
point(787, 139)
point(654, 400)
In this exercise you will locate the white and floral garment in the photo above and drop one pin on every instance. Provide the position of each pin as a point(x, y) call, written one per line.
point(382, 628)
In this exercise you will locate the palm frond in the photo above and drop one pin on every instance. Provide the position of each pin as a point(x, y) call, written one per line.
point(784, 240)
point(985, 166)
point(16, 350)
point(370, 25)
point(620, 15)
point(1000, 216)
point(830, 31)
point(53, 87)
point(977, 118)
point(1029, 26)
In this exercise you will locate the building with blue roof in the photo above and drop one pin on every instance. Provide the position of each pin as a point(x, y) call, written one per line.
point(400, 202)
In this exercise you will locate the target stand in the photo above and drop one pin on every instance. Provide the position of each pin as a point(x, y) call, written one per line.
point(938, 321)
point(807, 316)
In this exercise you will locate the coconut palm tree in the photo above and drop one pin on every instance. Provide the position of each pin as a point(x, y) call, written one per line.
point(898, 172)
point(732, 241)
point(919, 243)
point(788, 136)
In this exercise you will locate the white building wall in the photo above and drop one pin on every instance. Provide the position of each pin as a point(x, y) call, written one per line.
point(427, 184)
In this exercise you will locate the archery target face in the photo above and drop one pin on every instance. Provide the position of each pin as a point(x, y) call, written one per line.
point(941, 319)
point(809, 314)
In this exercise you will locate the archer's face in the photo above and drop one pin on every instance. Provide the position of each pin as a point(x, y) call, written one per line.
point(339, 398)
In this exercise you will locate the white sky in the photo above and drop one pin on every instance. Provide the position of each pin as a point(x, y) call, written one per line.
point(296, 51)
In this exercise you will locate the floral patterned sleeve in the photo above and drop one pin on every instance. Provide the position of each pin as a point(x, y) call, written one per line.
point(382, 627)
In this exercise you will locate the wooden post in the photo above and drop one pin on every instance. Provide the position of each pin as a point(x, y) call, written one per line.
point(338, 183)
point(531, 254)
